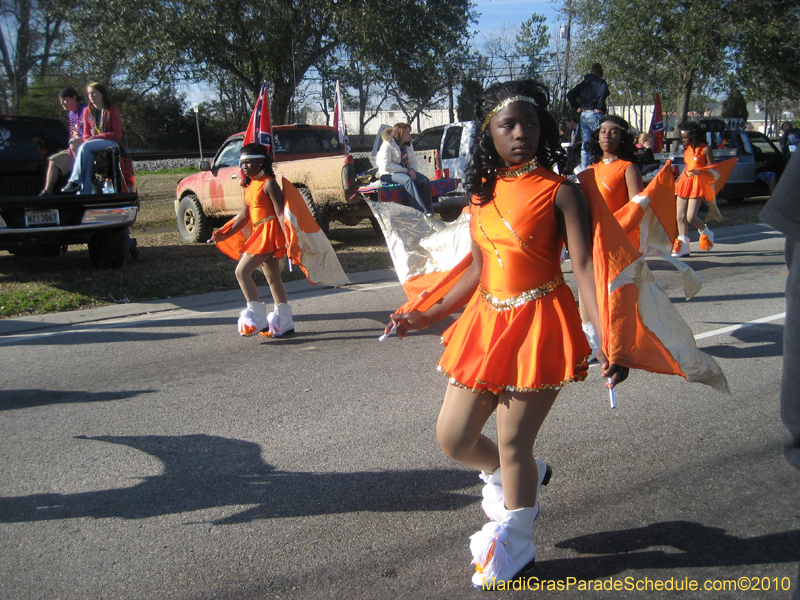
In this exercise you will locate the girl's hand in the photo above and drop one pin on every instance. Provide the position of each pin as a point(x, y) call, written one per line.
point(405, 322)
point(616, 374)
point(218, 236)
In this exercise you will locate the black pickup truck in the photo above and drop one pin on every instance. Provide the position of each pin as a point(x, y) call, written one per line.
point(46, 225)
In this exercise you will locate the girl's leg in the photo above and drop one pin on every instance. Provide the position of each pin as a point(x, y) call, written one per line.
point(244, 275)
point(461, 420)
point(519, 418)
point(53, 173)
point(691, 214)
point(272, 271)
point(682, 205)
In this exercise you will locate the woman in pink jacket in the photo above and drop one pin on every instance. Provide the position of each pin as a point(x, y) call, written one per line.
point(102, 128)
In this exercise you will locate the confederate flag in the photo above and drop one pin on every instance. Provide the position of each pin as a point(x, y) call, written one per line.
point(259, 129)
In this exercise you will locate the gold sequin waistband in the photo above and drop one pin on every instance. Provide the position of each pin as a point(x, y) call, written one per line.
point(264, 220)
point(522, 298)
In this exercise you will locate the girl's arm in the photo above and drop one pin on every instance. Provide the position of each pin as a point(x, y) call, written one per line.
point(115, 123)
point(384, 160)
point(708, 155)
point(633, 179)
point(572, 212)
point(454, 299)
point(240, 221)
point(275, 193)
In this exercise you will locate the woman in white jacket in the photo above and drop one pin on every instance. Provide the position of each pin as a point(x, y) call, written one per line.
point(397, 163)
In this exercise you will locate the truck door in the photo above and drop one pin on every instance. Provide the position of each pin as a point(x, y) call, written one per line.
point(221, 185)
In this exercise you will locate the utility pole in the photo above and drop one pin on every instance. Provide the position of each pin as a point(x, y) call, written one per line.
point(566, 34)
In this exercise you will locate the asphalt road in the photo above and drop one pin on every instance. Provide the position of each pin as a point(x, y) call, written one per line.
point(149, 452)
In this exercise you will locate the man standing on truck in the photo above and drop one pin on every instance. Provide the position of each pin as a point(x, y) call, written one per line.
point(589, 99)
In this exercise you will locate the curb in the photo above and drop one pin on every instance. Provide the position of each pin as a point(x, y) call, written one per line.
point(200, 302)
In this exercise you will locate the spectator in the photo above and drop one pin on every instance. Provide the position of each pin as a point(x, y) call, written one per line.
point(397, 163)
point(61, 162)
point(644, 150)
point(102, 128)
point(790, 139)
point(783, 212)
point(589, 99)
point(570, 129)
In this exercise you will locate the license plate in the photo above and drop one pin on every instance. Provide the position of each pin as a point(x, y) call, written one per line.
point(36, 218)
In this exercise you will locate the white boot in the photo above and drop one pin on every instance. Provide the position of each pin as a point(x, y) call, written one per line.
point(493, 502)
point(253, 319)
point(503, 549)
point(591, 337)
point(681, 246)
point(280, 321)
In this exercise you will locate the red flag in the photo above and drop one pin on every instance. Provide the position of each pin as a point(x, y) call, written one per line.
point(338, 117)
point(259, 129)
point(657, 126)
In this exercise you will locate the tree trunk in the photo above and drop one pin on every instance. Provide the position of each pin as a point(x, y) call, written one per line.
point(685, 94)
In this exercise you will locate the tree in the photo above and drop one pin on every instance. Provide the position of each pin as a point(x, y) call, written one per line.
point(274, 40)
point(664, 43)
point(532, 42)
point(735, 106)
point(30, 41)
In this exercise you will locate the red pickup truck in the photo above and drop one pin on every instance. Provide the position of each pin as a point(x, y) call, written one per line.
point(310, 156)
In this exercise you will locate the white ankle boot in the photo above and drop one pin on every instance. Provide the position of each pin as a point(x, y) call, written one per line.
point(493, 502)
point(253, 319)
point(280, 320)
point(503, 549)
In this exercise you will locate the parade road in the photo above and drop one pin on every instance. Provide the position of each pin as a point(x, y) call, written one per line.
point(150, 452)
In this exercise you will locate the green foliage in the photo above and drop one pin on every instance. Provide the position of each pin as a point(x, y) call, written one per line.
point(735, 106)
point(532, 42)
point(470, 91)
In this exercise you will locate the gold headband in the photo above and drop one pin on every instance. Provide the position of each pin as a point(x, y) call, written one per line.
point(613, 124)
point(502, 105)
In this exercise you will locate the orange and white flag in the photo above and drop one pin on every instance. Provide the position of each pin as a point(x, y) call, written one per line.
point(307, 245)
point(427, 254)
point(641, 327)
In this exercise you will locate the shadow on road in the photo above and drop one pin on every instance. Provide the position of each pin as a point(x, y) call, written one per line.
point(668, 545)
point(13, 399)
point(203, 471)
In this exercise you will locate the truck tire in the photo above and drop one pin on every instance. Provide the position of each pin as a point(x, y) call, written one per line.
point(107, 249)
point(193, 224)
point(319, 212)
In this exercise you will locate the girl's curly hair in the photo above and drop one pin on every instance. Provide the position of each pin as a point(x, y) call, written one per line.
point(695, 132)
point(627, 144)
point(481, 174)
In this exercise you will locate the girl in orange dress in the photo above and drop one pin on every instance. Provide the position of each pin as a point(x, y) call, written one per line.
point(519, 339)
point(266, 244)
point(614, 168)
point(692, 187)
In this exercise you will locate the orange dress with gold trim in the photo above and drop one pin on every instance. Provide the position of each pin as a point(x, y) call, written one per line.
point(699, 186)
point(610, 178)
point(521, 330)
point(266, 235)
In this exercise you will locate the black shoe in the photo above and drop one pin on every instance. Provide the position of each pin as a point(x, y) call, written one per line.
point(71, 188)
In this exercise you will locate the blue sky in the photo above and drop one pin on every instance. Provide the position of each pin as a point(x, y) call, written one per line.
point(493, 13)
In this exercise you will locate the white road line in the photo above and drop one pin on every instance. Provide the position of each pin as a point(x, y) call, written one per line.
point(732, 328)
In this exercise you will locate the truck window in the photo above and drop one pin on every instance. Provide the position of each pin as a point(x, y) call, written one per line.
point(429, 139)
point(744, 139)
point(25, 140)
point(301, 141)
point(452, 143)
point(330, 141)
point(229, 155)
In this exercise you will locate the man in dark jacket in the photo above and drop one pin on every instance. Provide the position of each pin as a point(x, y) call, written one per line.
point(589, 99)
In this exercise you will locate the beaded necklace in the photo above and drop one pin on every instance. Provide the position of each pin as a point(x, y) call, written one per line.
point(98, 125)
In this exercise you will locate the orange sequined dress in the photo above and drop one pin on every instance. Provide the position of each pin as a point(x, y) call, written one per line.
point(266, 234)
point(699, 186)
point(521, 330)
point(610, 178)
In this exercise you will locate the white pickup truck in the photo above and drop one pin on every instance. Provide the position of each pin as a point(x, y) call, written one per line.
point(453, 142)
